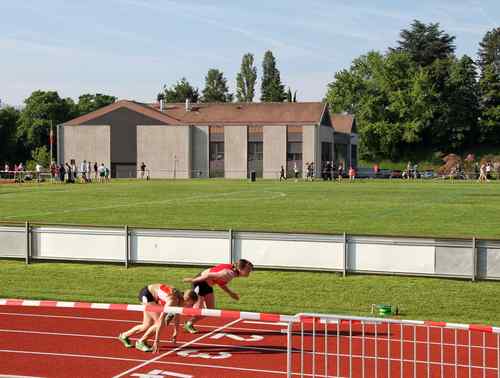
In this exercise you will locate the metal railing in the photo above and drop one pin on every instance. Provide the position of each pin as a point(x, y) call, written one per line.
point(349, 346)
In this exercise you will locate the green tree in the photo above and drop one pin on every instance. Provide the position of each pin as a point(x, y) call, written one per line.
point(10, 151)
point(41, 155)
point(179, 92)
point(272, 90)
point(216, 89)
point(490, 105)
point(245, 79)
point(291, 97)
point(42, 109)
point(90, 102)
point(392, 99)
point(462, 100)
point(426, 43)
point(489, 50)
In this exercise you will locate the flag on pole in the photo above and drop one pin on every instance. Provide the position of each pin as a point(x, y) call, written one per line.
point(51, 136)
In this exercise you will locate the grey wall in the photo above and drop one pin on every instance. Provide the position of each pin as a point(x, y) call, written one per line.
point(199, 151)
point(87, 142)
point(166, 150)
point(310, 150)
point(235, 151)
point(123, 123)
point(275, 141)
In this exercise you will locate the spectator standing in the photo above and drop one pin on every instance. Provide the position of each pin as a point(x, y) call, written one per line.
point(341, 171)
point(415, 171)
point(143, 170)
point(352, 174)
point(62, 173)
point(38, 169)
point(74, 171)
point(102, 172)
point(83, 171)
point(295, 172)
point(488, 170)
point(408, 170)
point(482, 173)
point(282, 174)
point(89, 171)
point(96, 174)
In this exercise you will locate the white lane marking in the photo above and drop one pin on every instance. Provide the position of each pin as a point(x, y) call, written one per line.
point(270, 349)
point(126, 321)
point(157, 373)
point(157, 362)
point(281, 324)
point(221, 335)
point(176, 349)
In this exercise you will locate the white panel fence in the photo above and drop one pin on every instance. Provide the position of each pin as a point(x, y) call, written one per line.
point(461, 258)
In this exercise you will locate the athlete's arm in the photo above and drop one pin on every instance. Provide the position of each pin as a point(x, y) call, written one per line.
point(231, 293)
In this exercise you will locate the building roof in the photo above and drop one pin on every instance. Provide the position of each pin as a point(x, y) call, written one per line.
point(263, 113)
point(343, 123)
point(144, 109)
point(222, 114)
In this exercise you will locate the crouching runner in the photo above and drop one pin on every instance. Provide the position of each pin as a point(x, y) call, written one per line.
point(153, 321)
point(219, 275)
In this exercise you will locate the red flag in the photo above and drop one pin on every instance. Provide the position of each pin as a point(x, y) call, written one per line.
point(51, 137)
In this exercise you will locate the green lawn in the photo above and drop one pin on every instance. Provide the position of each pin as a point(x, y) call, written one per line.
point(270, 291)
point(429, 208)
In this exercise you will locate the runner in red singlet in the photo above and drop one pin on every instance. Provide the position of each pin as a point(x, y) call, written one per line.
point(219, 275)
point(152, 321)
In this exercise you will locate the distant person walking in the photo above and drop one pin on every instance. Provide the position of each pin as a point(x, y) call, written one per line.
point(352, 174)
point(102, 173)
point(96, 174)
point(282, 174)
point(482, 174)
point(143, 170)
point(295, 172)
point(341, 171)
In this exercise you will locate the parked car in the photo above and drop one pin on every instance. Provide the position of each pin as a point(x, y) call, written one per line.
point(396, 173)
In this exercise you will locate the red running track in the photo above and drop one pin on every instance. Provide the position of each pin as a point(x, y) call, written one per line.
point(70, 342)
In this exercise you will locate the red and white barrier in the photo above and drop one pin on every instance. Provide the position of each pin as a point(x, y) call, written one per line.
point(226, 314)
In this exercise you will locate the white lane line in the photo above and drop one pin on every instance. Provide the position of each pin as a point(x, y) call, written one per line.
point(126, 321)
point(273, 349)
point(176, 349)
point(281, 324)
point(157, 362)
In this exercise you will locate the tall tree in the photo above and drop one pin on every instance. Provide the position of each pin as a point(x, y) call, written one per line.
point(179, 92)
point(272, 90)
point(426, 43)
point(462, 99)
point(9, 151)
point(245, 79)
point(41, 110)
point(89, 102)
point(490, 105)
point(216, 89)
point(489, 50)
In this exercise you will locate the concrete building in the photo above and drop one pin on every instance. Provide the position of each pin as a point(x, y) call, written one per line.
point(209, 139)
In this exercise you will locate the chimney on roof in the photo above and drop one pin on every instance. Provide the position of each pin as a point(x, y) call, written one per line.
point(162, 105)
point(188, 105)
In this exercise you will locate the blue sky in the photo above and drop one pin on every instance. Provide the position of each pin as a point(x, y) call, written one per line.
point(130, 48)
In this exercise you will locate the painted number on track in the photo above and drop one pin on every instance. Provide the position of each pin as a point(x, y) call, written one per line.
point(162, 374)
point(218, 336)
point(195, 353)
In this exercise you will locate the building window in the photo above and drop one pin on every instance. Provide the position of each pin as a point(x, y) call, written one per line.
point(216, 151)
point(326, 152)
point(255, 153)
point(294, 150)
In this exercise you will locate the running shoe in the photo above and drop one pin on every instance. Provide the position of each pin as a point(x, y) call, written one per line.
point(125, 341)
point(169, 318)
point(143, 347)
point(188, 327)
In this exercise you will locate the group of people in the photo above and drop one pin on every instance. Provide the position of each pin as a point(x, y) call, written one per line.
point(71, 173)
point(200, 295)
point(329, 171)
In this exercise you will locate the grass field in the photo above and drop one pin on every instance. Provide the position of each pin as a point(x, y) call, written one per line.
point(270, 291)
point(429, 208)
